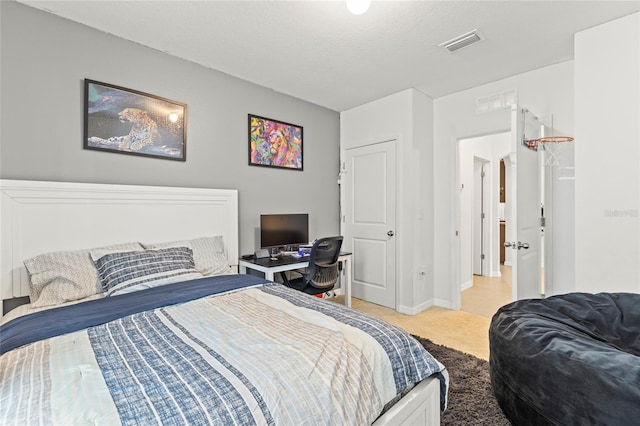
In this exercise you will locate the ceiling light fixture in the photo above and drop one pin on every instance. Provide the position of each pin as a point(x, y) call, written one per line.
point(459, 42)
point(358, 7)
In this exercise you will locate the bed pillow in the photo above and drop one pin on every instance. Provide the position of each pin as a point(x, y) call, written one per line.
point(208, 254)
point(125, 272)
point(64, 276)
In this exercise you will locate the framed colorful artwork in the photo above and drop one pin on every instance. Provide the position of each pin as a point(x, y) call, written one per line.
point(274, 143)
point(127, 121)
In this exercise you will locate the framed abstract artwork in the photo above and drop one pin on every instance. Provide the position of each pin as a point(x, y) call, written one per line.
point(127, 121)
point(274, 143)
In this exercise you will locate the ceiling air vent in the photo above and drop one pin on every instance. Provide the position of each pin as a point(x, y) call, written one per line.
point(459, 42)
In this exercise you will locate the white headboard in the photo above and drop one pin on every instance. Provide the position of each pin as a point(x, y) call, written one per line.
point(39, 217)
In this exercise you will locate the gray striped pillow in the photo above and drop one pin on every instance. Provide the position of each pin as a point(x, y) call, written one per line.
point(208, 253)
point(124, 272)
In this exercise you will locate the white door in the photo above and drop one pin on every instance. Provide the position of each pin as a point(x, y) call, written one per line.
point(526, 212)
point(369, 220)
point(478, 217)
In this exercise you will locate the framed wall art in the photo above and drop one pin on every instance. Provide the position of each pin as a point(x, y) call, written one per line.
point(274, 143)
point(127, 121)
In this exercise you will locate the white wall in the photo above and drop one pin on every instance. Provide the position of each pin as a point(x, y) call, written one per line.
point(490, 148)
point(544, 91)
point(407, 117)
point(607, 154)
point(596, 235)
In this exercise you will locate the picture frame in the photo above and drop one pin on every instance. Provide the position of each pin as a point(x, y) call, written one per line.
point(274, 143)
point(127, 121)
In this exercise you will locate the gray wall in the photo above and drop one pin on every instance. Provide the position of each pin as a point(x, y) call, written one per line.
point(45, 60)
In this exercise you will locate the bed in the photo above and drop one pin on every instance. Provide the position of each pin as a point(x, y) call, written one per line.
point(156, 326)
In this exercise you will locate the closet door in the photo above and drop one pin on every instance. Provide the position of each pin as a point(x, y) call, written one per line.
point(369, 221)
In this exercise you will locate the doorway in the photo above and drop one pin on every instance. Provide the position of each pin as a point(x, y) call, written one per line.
point(485, 278)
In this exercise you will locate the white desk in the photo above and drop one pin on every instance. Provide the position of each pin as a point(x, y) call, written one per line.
point(288, 263)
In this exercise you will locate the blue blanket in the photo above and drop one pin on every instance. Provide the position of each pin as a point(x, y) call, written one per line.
point(56, 321)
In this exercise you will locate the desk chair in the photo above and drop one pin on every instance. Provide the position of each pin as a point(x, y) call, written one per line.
point(322, 273)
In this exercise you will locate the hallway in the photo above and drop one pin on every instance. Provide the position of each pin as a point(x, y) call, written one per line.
point(487, 294)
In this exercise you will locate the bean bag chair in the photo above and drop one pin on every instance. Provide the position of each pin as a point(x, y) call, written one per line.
point(571, 359)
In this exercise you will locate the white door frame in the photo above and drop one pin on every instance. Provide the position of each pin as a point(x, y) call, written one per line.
point(456, 290)
point(480, 217)
point(507, 208)
point(484, 149)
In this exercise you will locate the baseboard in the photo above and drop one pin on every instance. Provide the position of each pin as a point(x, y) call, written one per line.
point(441, 303)
point(414, 310)
point(507, 263)
point(466, 285)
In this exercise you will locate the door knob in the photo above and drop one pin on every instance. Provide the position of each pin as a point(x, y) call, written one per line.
point(390, 234)
point(523, 245)
point(511, 244)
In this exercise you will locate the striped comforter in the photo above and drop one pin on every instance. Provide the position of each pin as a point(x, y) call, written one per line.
point(258, 354)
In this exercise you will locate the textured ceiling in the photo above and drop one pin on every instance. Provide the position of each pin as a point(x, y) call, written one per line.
point(318, 51)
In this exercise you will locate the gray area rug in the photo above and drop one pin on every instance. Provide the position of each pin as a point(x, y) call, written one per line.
point(471, 399)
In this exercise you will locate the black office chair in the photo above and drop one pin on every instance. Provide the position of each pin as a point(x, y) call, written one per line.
point(322, 273)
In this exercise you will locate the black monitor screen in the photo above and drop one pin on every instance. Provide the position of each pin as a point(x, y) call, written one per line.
point(277, 230)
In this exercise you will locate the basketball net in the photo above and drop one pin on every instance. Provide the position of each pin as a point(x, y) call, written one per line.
point(553, 147)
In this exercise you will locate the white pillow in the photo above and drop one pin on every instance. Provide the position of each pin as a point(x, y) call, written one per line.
point(62, 276)
point(208, 253)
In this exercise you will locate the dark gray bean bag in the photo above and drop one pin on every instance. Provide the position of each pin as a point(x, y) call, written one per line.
point(572, 359)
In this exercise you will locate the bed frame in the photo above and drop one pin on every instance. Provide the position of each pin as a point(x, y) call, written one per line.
point(41, 217)
point(38, 217)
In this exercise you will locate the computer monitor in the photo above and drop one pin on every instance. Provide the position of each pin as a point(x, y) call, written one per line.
point(279, 230)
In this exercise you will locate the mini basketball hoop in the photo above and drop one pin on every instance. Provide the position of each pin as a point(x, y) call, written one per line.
point(552, 147)
point(555, 139)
